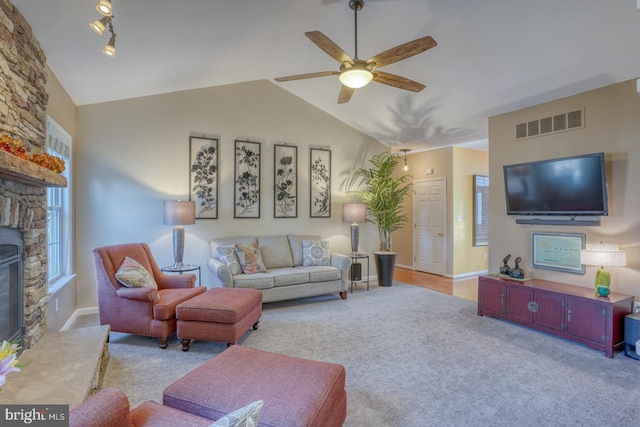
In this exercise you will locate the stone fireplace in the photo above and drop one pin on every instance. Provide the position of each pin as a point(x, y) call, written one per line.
point(23, 77)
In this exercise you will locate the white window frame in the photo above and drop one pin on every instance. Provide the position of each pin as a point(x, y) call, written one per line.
point(56, 136)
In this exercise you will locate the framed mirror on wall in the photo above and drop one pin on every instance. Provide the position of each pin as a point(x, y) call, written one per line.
point(480, 210)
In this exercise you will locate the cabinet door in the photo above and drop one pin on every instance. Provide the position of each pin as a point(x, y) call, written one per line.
point(586, 320)
point(490, 297)
point(550, 311)
point(518, 303)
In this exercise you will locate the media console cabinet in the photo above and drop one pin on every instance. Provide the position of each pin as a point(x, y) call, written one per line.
point(572, 312)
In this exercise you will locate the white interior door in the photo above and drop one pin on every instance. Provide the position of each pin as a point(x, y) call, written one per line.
point(429, 215)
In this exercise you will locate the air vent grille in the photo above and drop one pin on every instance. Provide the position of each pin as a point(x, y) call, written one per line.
point(551, 124)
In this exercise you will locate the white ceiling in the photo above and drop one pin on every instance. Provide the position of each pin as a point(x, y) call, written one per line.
point(493, 56)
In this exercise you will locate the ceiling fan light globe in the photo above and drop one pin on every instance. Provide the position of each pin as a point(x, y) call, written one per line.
point(356, 77)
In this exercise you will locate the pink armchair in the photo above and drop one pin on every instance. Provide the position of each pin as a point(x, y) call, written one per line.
point(140, 311)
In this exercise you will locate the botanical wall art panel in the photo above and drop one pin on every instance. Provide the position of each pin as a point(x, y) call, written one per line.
point(320, 182)
point(247, 179)
point(285, 167)
point(203, 176)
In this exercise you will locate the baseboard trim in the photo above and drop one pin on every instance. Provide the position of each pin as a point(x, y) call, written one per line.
point(76, 313)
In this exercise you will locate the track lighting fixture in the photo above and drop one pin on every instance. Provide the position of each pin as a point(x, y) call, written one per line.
point(406, 166)
point(104, 7)
point(110, 48)
point(99, 25)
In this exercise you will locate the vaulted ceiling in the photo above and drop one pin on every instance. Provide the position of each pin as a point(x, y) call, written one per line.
point(493, 56)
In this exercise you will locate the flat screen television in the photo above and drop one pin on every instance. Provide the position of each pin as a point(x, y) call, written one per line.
point(571, 186)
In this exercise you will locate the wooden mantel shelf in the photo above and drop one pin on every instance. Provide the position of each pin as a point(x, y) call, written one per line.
point(14, 168)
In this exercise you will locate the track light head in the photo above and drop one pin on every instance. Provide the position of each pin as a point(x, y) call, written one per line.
point(104, 7)
point(110, 48)
point(99, 25)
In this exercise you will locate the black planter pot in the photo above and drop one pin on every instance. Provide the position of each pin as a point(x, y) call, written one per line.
point(385, 265)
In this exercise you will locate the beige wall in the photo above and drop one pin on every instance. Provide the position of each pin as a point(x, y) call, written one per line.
point(132, 155)
point(61, 107)
point(466, 257)
point(457, 166)
point(612, 127)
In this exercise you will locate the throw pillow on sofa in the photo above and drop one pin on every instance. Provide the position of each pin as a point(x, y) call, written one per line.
point(315, 252)
point(228, 257)
point(133, 275)
point(250, 258)
point(243, 417)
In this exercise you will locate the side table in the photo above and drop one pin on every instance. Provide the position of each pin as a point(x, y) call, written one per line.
point(354, 258)
point(183, 269)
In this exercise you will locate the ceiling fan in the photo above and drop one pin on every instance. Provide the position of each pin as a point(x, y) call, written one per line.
point(354, 72)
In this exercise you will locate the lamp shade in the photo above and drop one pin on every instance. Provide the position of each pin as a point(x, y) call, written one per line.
point(179, 212)
point(354, 212)
point(603, 255)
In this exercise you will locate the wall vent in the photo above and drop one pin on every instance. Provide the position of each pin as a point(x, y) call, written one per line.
point(552, 124)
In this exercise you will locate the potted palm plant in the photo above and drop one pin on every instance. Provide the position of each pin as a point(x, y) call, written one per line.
point(383, 192)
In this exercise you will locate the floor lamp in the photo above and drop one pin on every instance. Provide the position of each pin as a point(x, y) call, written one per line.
point(179, 213)
point(354, 213)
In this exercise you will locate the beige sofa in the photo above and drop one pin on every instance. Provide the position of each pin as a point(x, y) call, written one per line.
point(286, 276)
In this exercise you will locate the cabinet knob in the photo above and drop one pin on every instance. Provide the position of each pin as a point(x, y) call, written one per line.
point(533, 306)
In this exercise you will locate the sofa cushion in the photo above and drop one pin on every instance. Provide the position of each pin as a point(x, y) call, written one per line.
point(295, 241)
point(246, 416)
point(133, 275)
point(255, 281)
point(250, 258)
point(275, 251)
point(315, 252)
point(228, 241)
point(227, 255)
point(289, 276)
point(322, 273)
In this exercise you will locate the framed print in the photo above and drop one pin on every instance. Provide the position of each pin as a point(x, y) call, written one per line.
point(203, 176)
point(556, 251)
point(285, 179)
point(320, 182)
point(247, 180)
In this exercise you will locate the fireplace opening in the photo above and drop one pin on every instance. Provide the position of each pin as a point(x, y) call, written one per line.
point(11, 286)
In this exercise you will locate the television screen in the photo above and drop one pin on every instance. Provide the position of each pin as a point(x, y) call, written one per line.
point(566, 186)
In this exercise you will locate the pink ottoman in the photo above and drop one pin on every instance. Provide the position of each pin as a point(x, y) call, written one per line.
point(296, 392)
point(220, 314)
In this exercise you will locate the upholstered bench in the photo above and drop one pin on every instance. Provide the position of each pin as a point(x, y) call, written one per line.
point(220, 314)
point(296, 392)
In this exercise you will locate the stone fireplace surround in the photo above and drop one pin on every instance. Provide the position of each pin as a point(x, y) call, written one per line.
point(23, 78)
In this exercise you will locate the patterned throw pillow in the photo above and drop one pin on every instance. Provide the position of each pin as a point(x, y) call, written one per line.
point(250, 258)
point(243, 417)
point(315, 252)
point(228, 257)
point(133, 275)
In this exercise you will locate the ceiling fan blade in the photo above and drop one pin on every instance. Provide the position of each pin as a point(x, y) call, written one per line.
point(332, 49)
point(403, 51)
point(397, 81)
point(307, 76)
point(345, 94)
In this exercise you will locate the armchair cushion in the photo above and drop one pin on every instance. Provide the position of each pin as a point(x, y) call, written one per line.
point(133, 275)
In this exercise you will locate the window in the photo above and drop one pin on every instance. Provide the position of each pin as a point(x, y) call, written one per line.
point(59, 229)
